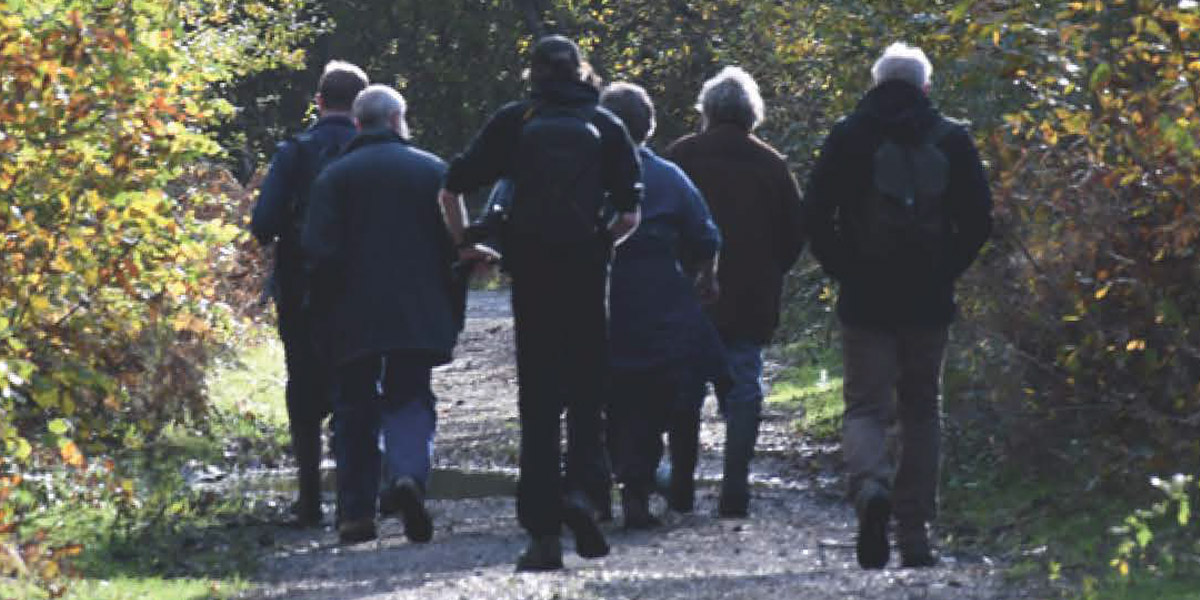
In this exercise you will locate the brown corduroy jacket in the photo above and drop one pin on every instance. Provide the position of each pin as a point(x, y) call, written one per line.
point(756, 204)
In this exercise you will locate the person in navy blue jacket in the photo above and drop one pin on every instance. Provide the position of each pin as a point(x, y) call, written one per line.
point(382, 258)
point(277, 220)
point(660, 337)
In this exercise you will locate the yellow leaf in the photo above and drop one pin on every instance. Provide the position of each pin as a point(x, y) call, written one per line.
point(1135, 345)
point(71, 455)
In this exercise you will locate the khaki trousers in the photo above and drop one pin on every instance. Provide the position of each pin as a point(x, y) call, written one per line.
point(892, 379)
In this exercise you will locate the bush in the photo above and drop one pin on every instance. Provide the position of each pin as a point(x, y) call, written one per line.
point(117, 235)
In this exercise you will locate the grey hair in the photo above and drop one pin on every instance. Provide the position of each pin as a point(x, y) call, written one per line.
point(375, 106)
point(731, 96)
point(904, 63)
point(632, 105)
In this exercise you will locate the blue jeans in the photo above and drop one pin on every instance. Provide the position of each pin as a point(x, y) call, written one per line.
point(385, 400)
point(742, 391)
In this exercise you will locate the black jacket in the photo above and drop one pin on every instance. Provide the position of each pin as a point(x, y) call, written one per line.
point(894, 292)
point(273, 213)
point(490, 155)
point(383, 256)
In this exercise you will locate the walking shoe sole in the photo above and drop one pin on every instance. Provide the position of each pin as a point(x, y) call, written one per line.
point(872, 545)
point(589, 540)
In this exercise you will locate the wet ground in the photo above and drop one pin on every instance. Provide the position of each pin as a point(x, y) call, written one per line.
point(798, 542)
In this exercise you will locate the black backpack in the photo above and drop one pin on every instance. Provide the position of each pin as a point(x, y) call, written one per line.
point(903, 211)
point(558, 195)
point(312, 155)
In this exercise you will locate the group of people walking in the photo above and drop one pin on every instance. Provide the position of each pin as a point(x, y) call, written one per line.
point(637, 281)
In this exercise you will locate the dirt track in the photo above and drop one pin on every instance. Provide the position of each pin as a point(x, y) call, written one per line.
point(797, 543)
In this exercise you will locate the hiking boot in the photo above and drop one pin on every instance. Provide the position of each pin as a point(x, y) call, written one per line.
point(543, 554)
point(356, 531)
point(874, 508)
point(580, 518)
point(915, 549)
point(636, 506)
point(405, 497)
point(741, 433)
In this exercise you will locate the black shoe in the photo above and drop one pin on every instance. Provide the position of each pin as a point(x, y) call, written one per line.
point(915, 550)
point(356, 531)
point(305, 514)
point(405, 496)
point(874, 508)
point(580, 518)
point(681, 495)
point(636, 506)
point(543, 554)
point(733, 505)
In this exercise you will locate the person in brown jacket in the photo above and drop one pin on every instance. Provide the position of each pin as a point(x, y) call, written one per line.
point(756, 203)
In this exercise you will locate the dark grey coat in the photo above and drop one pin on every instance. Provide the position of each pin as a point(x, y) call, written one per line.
point(383, 256)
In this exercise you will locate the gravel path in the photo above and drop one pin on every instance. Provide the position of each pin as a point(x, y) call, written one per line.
point(798, 542)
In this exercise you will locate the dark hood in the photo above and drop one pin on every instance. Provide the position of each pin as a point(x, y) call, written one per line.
point(569, 93)
point(899, 109)
point(369, 137)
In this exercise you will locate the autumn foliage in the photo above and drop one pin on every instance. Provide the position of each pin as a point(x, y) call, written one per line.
point(118, 232)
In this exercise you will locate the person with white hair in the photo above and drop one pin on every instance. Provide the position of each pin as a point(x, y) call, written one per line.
point(756, 204)
point(382, 261)
point(897, 208)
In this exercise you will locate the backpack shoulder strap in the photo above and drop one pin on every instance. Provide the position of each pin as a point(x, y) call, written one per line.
point(942, 128)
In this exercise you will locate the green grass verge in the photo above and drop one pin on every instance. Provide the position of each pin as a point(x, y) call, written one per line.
point(155, 536)
point(813, 386)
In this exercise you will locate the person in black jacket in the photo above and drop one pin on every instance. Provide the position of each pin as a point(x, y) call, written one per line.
point(383, 260)
point(277, 220)
point(897, 208)
point(569, 159)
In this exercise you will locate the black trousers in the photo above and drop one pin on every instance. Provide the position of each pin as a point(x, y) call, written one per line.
point(559, 296)
point(309, 396)
point(640, 408)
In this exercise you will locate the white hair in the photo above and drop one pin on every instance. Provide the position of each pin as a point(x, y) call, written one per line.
point(375, 106)
point(904, 63)
point(731, 97)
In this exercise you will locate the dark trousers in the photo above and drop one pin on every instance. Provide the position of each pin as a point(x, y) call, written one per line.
point(309, 395)
point(559, 305)
point(391, 393)
point(895, 377)
point(640, 410)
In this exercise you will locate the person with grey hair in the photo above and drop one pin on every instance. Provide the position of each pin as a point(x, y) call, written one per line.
point(659, 335)
point(756, 203)
point(276, 221)
point(382, 272)
point(897, 208)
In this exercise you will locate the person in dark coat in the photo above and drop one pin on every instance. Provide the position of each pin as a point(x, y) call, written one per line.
point(896, 300)
point(383, 273)
point(276, 220)
point(660, 336)
point(559, 281)
point(756, 204)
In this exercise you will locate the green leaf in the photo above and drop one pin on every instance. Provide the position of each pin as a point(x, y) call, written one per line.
point(58, 426)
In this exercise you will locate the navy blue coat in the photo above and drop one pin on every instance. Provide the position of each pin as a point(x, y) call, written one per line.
point(382, 253)
point(273, 213)
point(656, 318)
